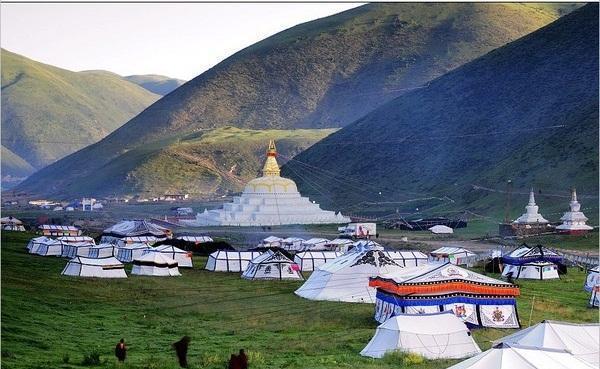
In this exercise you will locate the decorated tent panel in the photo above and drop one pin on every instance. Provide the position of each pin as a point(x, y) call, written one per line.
point(312, 260)
point(272, 265)
point(99, 268)
point(477, 299)
point(433, 336)
point(230, 261)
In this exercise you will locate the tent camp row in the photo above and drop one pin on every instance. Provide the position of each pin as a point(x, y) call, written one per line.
point(296, 244)
point(151, 264)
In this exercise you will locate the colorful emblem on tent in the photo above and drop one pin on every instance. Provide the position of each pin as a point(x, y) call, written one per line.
point(498, 315)
point(460, 311)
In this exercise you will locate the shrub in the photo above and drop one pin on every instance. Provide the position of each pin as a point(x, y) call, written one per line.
point(404, 358)
point(91, 359)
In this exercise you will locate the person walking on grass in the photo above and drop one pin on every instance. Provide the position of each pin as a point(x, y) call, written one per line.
point(181, 349)
point(121, 350)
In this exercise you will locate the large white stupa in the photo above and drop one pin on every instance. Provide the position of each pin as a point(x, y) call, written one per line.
point(268, 200)
point(574, 220)
point(531, 215)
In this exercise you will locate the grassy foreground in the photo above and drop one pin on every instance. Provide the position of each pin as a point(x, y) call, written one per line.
point(51, 321)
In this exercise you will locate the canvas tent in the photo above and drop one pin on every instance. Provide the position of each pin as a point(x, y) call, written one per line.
point(72, 249)
point(271, 241)
point(477, 299)
point(11, 224)
point(506, 356)
point(45, 246)
point(135, 231)
point(312, 260)
point(434, 336)
point(535, 262)
point(127, 253)
point(58, 230)
point(407, 258)
point(340, 245)
point(272, 265)
point(195, 239)
point(346, 278)
point(102, 250)
point(76, 239)
point(441, 229)
point(182, 257)
point(581, 340)
point(454, 255)
point(100, 268)
point(230, 261)
point(292, 243)
point(155, 264)
point(314, 244)
point(592, 285)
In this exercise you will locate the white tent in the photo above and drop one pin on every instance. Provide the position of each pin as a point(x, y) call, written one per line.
point(434, 336)
point(102, 250)
point(271, 241)
point(441, 229)
point(11, 224)
point(135, 231)
point(34, 243)
point(346, 278)
point(76, 239)
point(100, 268)
point(127, 253)
point(230, 261)
point(155, 264)
point(581, 340)
point(292, 243)
point(407, 258)
point(272, 265)
point(454, 255)
point(531, 263)
point(312, 260)
point(339, 244)
point(314, 244)
point(46, 247)
point(72, 249)
point(182, 257)
point(196, 239)
point(506, 356)
point(592, 285)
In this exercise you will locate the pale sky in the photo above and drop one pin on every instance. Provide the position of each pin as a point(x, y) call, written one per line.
point(176, 40)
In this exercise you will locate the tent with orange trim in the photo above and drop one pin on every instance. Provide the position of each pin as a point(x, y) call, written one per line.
point(477, 299)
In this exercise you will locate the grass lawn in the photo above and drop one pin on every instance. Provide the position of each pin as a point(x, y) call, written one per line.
point(51, 321)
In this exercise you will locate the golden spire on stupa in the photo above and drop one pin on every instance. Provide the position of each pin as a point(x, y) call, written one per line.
point(271, 168)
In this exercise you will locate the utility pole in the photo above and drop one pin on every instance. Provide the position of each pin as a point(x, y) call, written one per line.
point(507, 205)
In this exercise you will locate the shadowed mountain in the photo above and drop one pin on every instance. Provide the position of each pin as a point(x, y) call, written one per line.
point(324, 73)
point(527, 111)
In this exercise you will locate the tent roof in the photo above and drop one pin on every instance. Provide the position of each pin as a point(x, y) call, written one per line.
point(441, 229)
point(271, 257)
point(506, 356)
point(293, 239)
point(100, 262)
point(451, 250)
point(196, 238)
point(228, 254)
point(155, 258)
point(10, 220)
point(272, 239)
point(135, 246)
point(169, 248)
point(136, 228)
point(318, 254)
point(431, 324)
point(314, 241)
point(448, 272)
point(58, 227)
point(340, 241)
point(360, 256)
point(526, 251)
point(582, 340)
point(75, 239)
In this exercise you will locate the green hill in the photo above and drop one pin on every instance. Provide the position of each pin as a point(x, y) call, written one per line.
point(527, 111)
point(324, 73)
point(48, 112)
point(160, 85)
point(14, 168)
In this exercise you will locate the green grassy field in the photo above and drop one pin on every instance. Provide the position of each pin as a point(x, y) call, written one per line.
point(51, 321)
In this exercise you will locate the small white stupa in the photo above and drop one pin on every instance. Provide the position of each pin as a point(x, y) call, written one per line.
point(531, 215)
point(574, 220)
point(266, 201)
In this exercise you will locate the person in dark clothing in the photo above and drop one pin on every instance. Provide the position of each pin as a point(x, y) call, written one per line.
point(234, 362)
point(181, 349)
point(243, 359)
point(121, 350)
point(509, 278)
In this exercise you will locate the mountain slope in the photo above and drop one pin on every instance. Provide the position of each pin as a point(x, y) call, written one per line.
point(14, 167)
point(324, 73)
point(160, 85)
point(527, 111)
point(48, 112)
